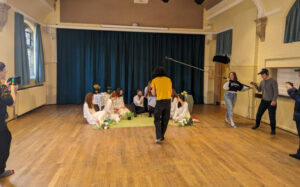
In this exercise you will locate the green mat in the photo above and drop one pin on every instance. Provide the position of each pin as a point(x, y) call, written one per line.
point(141, 120)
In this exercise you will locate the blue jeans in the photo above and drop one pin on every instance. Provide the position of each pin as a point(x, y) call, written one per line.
point(230, 99)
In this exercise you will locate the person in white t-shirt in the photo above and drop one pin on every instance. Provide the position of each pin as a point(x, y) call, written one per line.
point(138, 103)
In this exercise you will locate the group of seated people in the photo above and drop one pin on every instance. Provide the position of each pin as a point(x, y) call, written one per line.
point(115, 108)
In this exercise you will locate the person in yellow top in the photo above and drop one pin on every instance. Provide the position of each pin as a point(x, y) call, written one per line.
point(161, 87)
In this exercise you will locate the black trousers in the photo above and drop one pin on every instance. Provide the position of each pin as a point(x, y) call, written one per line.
point(264, 105)
point(151, 110)
point(136, 109)
point(5, 140)
point(161, 117)
point(146, 104)
point(298, 127)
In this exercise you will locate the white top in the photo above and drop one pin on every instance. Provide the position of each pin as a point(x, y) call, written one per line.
point(119, 103)
point(152, 101)
point(182, 112)
point(109, 107)
point(174, 106)
point(88, 114)
point(138, 101)
point(145, 91)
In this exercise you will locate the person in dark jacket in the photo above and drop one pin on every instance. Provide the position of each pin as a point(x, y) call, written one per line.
point(7, 98)
point(295, 94)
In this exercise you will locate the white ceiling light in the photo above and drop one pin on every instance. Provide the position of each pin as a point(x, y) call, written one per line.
point(141, 1)
point(133, 27)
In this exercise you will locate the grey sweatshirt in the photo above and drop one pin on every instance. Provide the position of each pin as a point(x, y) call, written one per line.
point(269, 89)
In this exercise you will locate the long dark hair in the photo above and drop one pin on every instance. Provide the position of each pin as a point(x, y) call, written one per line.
point(159, 72)
point(119, 91)
point(2, 66)
point(235, 76)
point(182, 98)
point(89, 100)
point(174, 94)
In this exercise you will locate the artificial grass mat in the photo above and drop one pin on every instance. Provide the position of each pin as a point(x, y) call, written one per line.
point(141, 120)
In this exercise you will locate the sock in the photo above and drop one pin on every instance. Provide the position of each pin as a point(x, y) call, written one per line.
point(7, 173)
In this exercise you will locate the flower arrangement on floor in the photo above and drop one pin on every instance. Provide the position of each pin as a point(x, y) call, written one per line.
point(186, 122)
point(105, 125)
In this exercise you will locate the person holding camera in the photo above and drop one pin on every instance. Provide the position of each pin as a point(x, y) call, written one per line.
point(7, 98)
point(269, 88)
point(295, 94)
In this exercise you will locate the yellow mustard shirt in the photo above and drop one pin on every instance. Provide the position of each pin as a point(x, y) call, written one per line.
point(163, 87)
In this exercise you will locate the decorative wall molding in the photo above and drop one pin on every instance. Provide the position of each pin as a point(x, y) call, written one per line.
point(224, 9)
point(3, 14)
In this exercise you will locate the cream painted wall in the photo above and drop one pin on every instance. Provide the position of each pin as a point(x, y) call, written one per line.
point(49, 44)
point(249, 54)
point(7, 49)
point(241, 19)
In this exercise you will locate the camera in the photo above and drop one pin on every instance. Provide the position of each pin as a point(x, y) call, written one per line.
point(14, 80)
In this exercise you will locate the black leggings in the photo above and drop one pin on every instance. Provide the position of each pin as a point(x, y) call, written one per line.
point(5, 140)
point(151, 110)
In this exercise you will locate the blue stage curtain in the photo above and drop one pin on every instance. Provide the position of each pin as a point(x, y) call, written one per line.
point(125, 60)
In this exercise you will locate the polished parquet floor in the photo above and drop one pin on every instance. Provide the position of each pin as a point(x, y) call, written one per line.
point(52, 146)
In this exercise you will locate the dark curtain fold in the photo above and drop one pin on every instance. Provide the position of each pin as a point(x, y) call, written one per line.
point(126, 60)
point(224, 43)
point(292, 26)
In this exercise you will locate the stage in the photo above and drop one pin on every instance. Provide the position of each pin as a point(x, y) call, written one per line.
point(53, 146)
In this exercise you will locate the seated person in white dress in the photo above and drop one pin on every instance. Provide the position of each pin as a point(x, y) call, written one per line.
point(89, 112)
point(182, 110)
point(119, 103)
point(99, 117)
point(174, 102)
point(138, 103)
point(151, 101)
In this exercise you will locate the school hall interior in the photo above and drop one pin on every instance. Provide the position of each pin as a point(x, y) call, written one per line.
point(65, 49)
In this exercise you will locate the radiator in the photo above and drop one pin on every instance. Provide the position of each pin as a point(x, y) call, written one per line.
point(29, 99)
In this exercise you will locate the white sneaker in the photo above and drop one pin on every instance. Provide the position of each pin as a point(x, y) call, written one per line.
point(226, 121)
point(232, 124)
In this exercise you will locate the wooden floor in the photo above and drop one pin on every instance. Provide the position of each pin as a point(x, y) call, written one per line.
point(52, 146)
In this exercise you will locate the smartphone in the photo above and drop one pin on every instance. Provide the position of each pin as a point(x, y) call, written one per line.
point(14, 80)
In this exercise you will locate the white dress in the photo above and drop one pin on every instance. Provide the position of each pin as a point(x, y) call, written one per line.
point(120, 105)
point(91, 115)
point(174, 104)
point(182, 112)
point(109, 112)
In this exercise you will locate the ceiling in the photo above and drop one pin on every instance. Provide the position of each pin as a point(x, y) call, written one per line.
point(207, 4)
